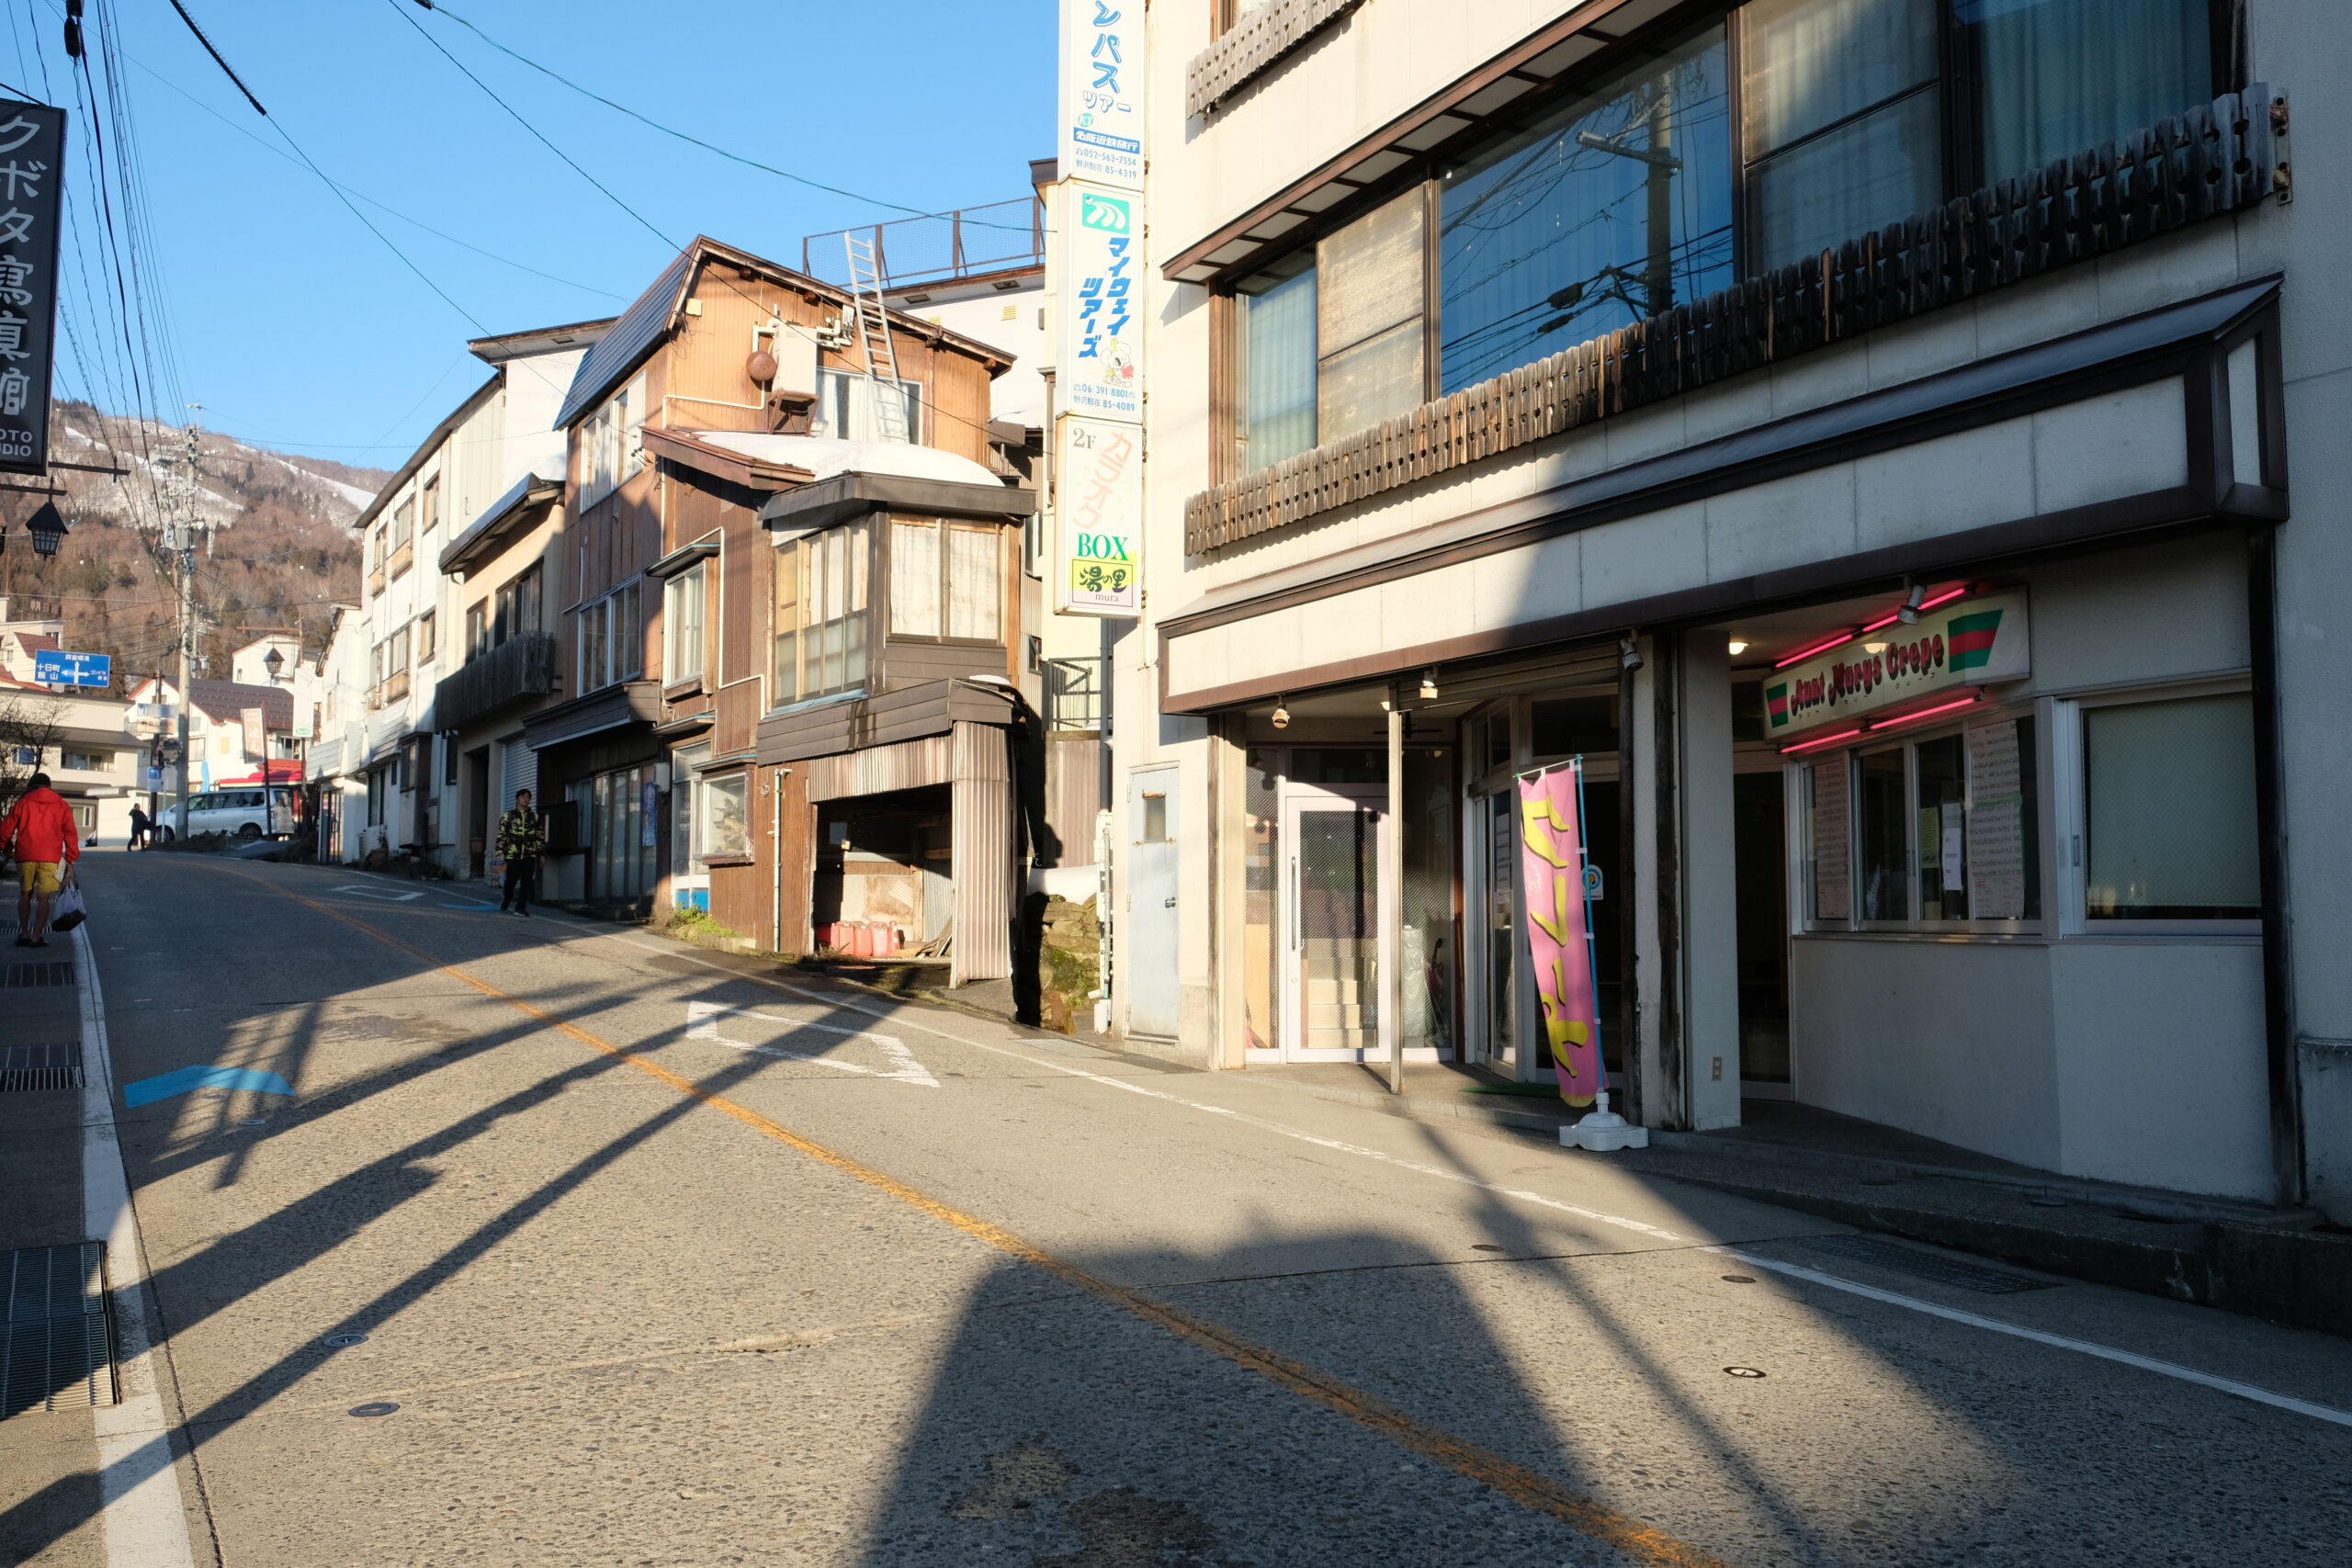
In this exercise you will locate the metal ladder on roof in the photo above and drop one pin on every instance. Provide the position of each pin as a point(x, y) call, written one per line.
point(874, 337)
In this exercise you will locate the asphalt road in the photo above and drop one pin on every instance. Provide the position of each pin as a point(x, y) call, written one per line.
point(664, 1261)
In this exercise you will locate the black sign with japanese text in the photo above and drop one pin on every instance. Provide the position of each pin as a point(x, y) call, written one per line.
point(32, 179)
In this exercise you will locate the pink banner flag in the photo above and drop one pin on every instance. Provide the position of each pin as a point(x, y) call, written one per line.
point(1551, 864)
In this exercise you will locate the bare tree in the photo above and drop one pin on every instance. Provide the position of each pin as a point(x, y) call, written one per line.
point(29, 734)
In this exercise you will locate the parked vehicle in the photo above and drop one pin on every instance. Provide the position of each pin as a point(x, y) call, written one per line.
point(240, 812)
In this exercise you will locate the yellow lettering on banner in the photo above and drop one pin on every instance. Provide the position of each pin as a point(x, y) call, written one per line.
point(1538, 819)
point(1556, 927)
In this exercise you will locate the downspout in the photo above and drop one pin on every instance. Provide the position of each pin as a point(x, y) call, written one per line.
point(2277, 976)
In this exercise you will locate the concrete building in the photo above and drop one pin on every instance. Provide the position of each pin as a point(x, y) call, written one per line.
point(1860, 431)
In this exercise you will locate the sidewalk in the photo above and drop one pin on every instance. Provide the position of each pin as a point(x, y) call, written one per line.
point(2277, 1264)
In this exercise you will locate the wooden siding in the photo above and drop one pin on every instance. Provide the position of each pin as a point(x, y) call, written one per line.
point(2209, 161)
point(1260, 39)
point(906, 715)
point(909, 662)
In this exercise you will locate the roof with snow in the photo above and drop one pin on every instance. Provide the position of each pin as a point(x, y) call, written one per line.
point(823, 456)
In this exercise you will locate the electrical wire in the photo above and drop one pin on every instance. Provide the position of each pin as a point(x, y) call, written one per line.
point(641, 119)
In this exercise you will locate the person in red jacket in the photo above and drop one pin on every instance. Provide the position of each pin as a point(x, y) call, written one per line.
point(39, 830)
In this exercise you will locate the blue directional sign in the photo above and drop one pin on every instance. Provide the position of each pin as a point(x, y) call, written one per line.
point(53, 669)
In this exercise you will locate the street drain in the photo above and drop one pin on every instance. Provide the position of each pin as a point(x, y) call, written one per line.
point(1743, 1372)
point(379, 1408)
point(20, 975)
point(28, 1068)
point(55, 1351)
point(1739, 1278)
point(1900, 1259)
point(344, 1341)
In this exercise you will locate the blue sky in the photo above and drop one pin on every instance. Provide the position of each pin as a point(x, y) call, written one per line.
point(297, 328)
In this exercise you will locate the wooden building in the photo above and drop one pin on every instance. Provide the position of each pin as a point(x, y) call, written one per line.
point(767, 593)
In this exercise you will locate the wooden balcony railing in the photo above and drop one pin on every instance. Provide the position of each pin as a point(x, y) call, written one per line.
point(2208, 162)
point(1258, 41)
point(522, 666)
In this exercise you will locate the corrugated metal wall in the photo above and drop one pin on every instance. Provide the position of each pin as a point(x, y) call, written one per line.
point(1073, 795)
point(518, 768)
point(983, 843)
point(907, 764)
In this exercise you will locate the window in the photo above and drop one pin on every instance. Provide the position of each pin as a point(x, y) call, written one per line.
point(1654, 181)
point(846, 409)
point(682, 625)
point(477, 630)
point(87, 762)
point(1616, 206)
point(431, 518)
point(424, 630)
point(403, 524)
point(2044, 79)
point(820, 612)
point(613, 443)
point(722, 822)
point(945, 580)
point(612, 639)
point(2170, 811)
point(518, 606)
point(1840, 117)
point(1937, 833)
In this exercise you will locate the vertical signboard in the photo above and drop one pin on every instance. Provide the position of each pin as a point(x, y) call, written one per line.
point(1559, 931)
point(256, 736)
point(1098, 566)
point(1101, 92)
point(1100, 357)
point(32, 179)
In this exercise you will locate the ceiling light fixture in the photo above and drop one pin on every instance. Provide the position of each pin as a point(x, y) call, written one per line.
point(1281, 715)
point(1428, 684)
point(1735, 647)
point(1908, 613)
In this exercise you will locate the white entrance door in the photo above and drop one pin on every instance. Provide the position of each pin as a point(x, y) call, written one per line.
point(1336, 923)
point(1147, 948)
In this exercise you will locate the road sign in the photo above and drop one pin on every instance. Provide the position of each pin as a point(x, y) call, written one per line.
point(52, 668)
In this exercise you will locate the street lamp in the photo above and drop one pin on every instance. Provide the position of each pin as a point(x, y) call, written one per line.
point(274, 663)
point(47, 529)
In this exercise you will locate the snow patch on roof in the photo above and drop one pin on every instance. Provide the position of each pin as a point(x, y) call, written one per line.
point(824, 456)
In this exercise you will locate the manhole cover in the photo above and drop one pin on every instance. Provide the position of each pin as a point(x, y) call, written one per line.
point(379, 1407)
point(1739, 1278)
point(345, 1341)
point(1900, 1259)
point(1743, 1372)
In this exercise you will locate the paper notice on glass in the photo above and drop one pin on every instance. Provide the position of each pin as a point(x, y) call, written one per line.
point(1951, 846)
point(1833, 882)
point(1996, 846)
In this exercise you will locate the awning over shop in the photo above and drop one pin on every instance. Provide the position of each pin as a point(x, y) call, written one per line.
point(632, 702)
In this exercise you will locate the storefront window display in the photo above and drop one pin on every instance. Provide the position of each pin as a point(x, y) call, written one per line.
point(2169, 810)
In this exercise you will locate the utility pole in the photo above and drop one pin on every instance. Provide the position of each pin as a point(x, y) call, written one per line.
point(180, 539)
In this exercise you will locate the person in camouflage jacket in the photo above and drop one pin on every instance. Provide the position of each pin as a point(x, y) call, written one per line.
point(522, 839)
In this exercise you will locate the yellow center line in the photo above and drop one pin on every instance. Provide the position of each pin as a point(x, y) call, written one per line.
point(1529, 1488)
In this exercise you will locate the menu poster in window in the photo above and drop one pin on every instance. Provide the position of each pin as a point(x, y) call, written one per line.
point(1996, 824)
point(1833, 872)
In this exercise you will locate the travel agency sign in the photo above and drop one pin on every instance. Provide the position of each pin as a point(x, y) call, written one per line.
point(1951, 650)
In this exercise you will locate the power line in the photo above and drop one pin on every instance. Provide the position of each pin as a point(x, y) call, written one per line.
point(218, 61)
point(683, 136)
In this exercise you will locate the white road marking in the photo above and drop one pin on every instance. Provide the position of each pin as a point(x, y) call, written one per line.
point(2057, 1341)
point(138, 1488)
point(701, 1023)
point(359, 892)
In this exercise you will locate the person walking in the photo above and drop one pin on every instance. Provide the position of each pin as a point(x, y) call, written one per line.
point(39, 830)
point(140, 822)
point(521, 835)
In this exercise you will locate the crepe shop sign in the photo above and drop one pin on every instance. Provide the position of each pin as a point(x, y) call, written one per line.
point(1969, 642)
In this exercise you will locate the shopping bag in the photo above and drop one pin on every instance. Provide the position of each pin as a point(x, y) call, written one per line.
point(68, 911)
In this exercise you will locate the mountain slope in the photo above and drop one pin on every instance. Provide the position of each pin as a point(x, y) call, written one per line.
point(282, 552)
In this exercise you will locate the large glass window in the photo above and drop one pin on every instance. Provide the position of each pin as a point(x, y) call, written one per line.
point(1840, 119)
point(945, 580)
point(723, 826)
point(1616, 207)
point(2170, 811)
point(1370, 345)
point(1278, 378)
point(820, 612)
point(2044, 79)
point(1947, 830)
point(846, 408)
point(1885, 802)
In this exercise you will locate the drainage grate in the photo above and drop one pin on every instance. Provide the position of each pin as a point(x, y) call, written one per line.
point(55, 1351)
point(1901, 1259)
point(21, 975)
point(26, 1068)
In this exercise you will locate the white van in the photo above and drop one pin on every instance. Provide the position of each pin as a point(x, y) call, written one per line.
point(238, 812)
